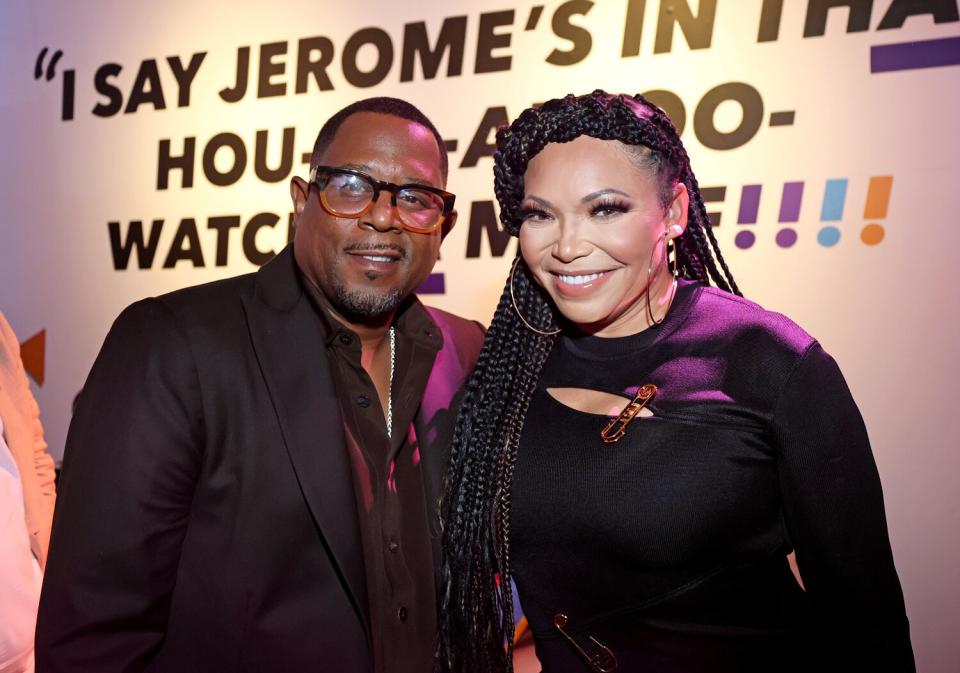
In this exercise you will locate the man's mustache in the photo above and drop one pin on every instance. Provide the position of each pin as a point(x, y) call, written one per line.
point(373, 247)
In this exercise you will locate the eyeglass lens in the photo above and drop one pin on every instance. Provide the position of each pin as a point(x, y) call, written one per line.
point(349, 194)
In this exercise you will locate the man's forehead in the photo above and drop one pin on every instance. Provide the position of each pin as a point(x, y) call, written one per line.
point(406, 178)
point(377, 127)
point(421, 132)
point(380, 140)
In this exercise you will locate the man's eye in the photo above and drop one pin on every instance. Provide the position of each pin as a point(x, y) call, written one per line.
point(355, 186)
point(415, 199)
point(348, 184)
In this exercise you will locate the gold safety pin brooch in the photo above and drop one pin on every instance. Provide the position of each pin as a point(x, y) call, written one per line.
point(617, 428)
point(603, 661)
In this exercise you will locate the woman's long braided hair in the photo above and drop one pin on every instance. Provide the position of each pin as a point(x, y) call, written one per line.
point(476, 604)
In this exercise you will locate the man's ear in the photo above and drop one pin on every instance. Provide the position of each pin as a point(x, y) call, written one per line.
point(448, 223)
point(299, 192)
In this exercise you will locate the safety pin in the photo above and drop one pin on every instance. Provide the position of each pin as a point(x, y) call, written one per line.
point(603, 662)
point(644, 394)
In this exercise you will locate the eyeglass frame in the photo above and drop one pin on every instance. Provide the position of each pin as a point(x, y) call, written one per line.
point(448, 198)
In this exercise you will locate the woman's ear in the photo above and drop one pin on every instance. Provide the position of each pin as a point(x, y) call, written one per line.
point(676, 217)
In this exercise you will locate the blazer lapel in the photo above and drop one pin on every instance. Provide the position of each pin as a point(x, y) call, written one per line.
point(286, 336)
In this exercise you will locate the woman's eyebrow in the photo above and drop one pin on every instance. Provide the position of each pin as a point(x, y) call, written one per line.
point(603, 192)
point(541, 201)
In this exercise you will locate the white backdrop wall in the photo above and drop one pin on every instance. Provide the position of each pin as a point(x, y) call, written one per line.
point(827, 137)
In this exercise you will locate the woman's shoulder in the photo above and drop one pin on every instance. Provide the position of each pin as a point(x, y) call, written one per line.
point(741, 324)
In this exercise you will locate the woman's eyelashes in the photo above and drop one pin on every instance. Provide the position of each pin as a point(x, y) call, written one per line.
point(609, 208)
point(533, 214)
point(600, 209)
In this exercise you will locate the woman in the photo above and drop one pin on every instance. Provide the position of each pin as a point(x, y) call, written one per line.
point(640, 451)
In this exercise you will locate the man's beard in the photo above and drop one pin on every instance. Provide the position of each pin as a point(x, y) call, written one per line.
point(364, 305)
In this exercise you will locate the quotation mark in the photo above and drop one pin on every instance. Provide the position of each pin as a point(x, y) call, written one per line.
point(51, 69)
point(69, 80)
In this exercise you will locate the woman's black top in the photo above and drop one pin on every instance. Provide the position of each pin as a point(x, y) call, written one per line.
point(669, 547)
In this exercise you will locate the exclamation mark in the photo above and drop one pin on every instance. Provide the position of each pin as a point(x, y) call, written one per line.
point(878, 198)
point(749, 207)
point(790, 202)
point(834, 198)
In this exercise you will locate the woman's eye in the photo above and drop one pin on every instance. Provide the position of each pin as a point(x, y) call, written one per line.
point(608, 209)
point(533, 215)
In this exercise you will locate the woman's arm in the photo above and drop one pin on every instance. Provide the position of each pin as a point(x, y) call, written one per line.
point(833, 507)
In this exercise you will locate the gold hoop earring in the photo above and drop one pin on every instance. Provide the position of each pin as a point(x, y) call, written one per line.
point(516, 309)
point(673, 289)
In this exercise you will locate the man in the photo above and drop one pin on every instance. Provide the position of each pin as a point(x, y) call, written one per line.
point(252, 473)
point(27, 494)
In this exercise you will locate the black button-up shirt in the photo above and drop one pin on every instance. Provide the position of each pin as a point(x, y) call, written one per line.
point(388, 483)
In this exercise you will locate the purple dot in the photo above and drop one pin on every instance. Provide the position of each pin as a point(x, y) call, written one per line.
point(786, 238)
point(744, 239)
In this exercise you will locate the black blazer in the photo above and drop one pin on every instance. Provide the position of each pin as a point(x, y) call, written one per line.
point(206, 519)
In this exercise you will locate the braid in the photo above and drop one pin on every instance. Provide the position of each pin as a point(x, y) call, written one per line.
point(539, 348)
point(731, 284)
point(704, 244)
point(476, 603)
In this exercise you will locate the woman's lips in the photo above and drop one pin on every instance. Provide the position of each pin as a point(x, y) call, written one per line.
point(574, 285)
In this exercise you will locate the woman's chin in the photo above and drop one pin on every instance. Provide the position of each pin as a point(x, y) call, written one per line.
point(601, 318)
point(584, 318)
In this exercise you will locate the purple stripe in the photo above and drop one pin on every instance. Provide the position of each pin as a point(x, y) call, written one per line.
point(434, 284)
point(790, 201)
point(915, 55)
point(749, 204)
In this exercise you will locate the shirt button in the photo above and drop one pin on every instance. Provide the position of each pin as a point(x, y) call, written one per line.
point(393, 546)
point(345, 339)
point(363, 401)
point(402, 614)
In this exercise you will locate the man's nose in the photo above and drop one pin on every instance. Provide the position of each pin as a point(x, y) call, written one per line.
point(383, 216)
